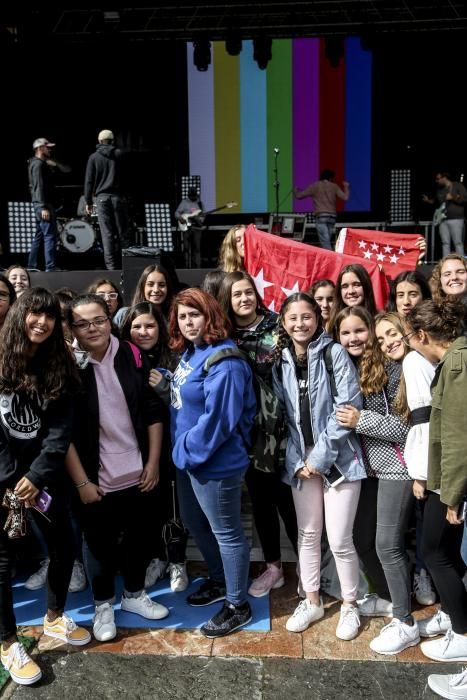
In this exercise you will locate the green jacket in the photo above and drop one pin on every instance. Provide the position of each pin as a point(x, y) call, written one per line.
point(447, 457)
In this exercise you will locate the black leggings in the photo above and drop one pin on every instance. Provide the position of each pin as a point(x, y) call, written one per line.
point(269, 498)
point(441, 550)
point(59, 538)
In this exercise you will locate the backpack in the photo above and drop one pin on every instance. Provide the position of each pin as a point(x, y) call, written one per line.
point(329, 368)
point(264, 447)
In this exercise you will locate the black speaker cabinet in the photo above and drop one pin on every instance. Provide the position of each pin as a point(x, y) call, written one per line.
point(135, 260)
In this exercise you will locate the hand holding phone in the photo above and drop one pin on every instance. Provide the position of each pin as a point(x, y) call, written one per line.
point(334, 477)
point(43, 501)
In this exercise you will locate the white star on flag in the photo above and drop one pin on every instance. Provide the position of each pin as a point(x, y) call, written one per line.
point(362, 244)
point(272, 306)
point(374, 246)
point(367, 254)
point(294, 290)
point(393, 259)
point(261, 283)
point(401, 251)
point(387, 249)
point(380, 257)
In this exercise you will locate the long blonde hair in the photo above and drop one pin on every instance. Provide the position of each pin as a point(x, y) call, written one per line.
point(229, 258)
point(400, 405)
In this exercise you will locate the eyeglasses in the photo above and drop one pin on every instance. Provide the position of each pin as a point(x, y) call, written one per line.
point(108, 295)
point(4, 295)
point(405, 338)
point(96, 322)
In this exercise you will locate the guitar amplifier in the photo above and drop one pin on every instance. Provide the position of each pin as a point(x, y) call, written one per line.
point(134, 262)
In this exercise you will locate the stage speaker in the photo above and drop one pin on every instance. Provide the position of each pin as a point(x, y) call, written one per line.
point(135, 260)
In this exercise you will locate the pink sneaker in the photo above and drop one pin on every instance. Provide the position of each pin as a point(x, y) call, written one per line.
point(273, 577)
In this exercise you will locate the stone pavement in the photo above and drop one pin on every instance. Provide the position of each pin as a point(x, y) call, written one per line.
point(278, 664)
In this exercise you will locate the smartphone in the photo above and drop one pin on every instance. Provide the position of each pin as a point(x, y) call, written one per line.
point(334, 477)
point(43, 501)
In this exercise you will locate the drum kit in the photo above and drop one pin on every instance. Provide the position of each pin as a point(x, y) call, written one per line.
point(81, 234)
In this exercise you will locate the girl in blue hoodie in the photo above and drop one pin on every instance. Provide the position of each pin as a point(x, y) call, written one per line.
point(212, 410)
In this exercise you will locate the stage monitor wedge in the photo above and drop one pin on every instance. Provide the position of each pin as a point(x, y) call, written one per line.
point(288, 225)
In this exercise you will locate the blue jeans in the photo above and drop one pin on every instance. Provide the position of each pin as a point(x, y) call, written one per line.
point(325, 224)
point(452, 230)
point(46, 232)
point(210, 509)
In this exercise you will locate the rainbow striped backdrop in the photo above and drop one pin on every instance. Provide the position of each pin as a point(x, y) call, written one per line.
point(318, 116)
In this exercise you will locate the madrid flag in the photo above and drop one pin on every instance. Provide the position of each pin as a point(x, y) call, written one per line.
point(396, 252)
point(281, 266)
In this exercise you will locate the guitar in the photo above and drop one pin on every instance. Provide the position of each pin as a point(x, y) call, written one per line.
point(184, 222)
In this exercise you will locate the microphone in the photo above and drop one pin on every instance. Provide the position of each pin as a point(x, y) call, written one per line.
point(276, 150)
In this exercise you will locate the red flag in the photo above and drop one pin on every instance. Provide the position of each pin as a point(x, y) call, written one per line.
point(281, 266)
point(396, 252)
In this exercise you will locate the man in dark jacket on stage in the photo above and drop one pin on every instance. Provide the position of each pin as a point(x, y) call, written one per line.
point(103, 179)
point(42, 188)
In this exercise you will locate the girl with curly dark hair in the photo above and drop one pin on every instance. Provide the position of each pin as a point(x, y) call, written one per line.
point(37, 378)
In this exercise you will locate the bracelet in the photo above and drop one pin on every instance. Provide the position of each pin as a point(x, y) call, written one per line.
point(83, 483)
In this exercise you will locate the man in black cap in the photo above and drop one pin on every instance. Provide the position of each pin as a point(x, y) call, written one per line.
point(42, 186)
point(104, 180)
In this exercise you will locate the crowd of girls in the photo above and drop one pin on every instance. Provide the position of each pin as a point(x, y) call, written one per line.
point(361, 422)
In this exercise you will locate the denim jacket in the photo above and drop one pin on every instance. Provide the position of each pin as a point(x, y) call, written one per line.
point(333, 443)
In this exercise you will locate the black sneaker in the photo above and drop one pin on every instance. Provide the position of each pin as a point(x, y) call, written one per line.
point(227, 620)
point(209, 592)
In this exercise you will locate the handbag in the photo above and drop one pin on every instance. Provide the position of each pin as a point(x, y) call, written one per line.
point(15, 524)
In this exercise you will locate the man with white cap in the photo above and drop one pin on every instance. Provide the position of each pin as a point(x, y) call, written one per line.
point(42, 186)
point(103, 180)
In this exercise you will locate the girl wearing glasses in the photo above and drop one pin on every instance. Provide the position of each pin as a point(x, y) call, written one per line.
point(114, 463)
point(37, 379)
point(110, 293)
point(146, 328)
point(386, 499)
point(436, 332)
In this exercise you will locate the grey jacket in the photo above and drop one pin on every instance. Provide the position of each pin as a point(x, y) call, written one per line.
point(333, 442)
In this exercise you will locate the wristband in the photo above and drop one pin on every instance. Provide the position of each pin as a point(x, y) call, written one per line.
point(83, 483)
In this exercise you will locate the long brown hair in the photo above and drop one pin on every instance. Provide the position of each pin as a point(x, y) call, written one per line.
point(139, 291)
point(371, 365)
point(51, 371)
point(437, 290)
point(400, 404)
point(368, 295)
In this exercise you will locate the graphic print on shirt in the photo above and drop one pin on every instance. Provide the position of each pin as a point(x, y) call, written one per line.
point(179, 378)
point(21, 418)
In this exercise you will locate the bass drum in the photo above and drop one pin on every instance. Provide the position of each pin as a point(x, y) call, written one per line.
point(77, 236)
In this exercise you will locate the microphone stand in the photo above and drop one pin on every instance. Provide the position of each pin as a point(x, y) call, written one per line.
point(276, 226)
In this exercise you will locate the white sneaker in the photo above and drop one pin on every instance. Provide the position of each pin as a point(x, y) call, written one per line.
point(144, 606)
point(436, 624)
point(395, 637)
point(453, 687)
point(452, 647)
point(349, 623)
point(374, 606)
point(156, 570)
point(178, 577)
point(78, 578)
point(37, 580)
point(423, 589)
point(304, 614)
point(103, 626)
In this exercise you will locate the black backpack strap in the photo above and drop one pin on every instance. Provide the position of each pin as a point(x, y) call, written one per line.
point(330, 367)
point(222, 354)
